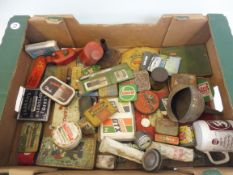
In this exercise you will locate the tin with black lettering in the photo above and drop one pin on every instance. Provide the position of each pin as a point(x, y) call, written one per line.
point(35, 106)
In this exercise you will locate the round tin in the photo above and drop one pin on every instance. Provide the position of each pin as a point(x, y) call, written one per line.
point(147, 102)
point(67, 135)
point(152, 160)
point(159, 77)
point(143, 141)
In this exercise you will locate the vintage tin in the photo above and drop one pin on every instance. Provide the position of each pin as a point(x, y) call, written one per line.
point(166, 139)
point(34, 106)
point(166, 126)
point(121, 125)
point(75, 75)
point(57, 90)
point(36, 74)
point(188, 79)
point(159, 76)
point(85, 102)
point(30, 137)
point(105, 161)
point(172, 65)
point(142, 140)
point(90, 70)
point(108, 145)
point(173, 152)
point(186, 135)
point(133, 57)
point(81, 157)
point(86, 127)
point(100, 112)
point(26, 158)
point(41, 49)
point(105, 77)
point(163, 105)
point(156, 62)
point(142, 80)
point(109, 91)
point(67, 135)
point(146, 59)
point(152, 160)
point(145, 123)
point(205, 89)
point(128, 92)
point(147, 102)
point(68, 113)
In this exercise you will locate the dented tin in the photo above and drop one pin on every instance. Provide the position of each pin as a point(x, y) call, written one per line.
point(186, 135)
point(166, 126)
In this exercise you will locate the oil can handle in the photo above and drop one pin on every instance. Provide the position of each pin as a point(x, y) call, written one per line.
point(218, 162)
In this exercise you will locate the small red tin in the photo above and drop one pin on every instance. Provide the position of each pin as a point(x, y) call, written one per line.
point(37, 71)
point(26, 158)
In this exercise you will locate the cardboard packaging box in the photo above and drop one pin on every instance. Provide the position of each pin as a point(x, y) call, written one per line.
point(171, 30)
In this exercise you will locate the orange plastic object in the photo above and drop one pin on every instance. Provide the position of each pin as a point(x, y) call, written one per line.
point(62, 57)
point(91, 53)
point(37, 71)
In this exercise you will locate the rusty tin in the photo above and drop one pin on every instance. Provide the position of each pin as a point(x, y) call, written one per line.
point(142, 80)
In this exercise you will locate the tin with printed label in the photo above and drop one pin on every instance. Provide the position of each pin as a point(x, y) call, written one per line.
point(67, 135)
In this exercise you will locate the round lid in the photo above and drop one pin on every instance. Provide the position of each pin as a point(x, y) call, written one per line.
point(147, 102)
point(159, 75)
point(151, 160)
point(145, 122)
point(94, 50)
point(67, 135)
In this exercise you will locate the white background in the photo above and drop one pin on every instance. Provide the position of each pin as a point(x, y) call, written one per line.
point(112, 11)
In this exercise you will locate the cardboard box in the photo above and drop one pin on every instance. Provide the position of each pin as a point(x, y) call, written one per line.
point(171, 30)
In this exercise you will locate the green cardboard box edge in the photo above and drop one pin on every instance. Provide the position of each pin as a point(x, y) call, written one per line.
point(223, 39)
point(10, 49)
point(13, 39)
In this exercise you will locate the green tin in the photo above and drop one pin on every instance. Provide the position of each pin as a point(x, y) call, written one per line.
point(128, 92)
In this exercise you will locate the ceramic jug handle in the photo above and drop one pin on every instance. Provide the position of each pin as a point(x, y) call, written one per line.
point(225, 160)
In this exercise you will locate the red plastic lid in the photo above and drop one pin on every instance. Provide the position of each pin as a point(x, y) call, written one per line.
point(147, 102)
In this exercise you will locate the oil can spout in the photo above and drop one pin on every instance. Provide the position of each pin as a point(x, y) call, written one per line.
point(104, 45)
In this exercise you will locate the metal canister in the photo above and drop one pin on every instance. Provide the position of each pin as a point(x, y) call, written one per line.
point(159, 77)
point(147, 102)
point(142, 140)
point(152, 160)
point(67, 135)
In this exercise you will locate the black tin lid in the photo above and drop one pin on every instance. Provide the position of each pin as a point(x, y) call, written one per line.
point(159, 75)
point(151, 160)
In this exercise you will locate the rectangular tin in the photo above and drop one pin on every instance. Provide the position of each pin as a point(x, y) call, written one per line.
point(35, 106)
point(81, 157)
point(121, 125)
point(30, 137)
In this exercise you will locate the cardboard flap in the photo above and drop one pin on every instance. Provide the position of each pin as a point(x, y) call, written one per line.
point(183, 28)
point(119, 35)
point(43, 28)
